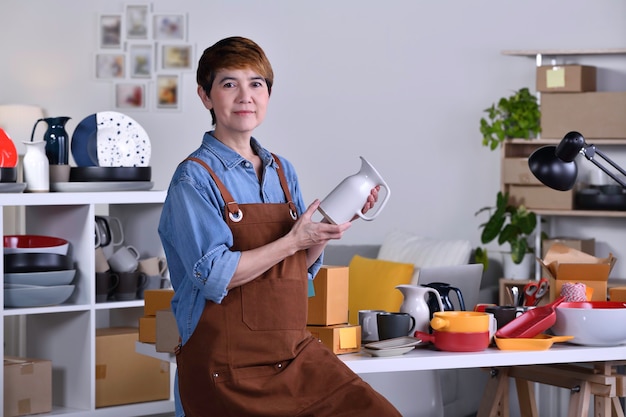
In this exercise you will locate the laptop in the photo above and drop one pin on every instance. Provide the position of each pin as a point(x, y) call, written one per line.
point(465, 277)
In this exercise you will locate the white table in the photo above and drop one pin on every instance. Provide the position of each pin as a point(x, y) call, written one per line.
point(426, 358)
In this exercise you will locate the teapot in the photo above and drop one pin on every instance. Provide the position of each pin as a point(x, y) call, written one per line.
point(444, 289)
point(416, 305)
point(349, 197)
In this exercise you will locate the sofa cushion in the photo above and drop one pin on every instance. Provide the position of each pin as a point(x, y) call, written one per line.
point(400, 246)
point(372, 285)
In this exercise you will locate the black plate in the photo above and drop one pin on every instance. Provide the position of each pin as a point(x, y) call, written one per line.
point(104, 174)
point(36, 262)
point(594, 199)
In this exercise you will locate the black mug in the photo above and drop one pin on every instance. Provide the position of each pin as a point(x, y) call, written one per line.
point(391, 325)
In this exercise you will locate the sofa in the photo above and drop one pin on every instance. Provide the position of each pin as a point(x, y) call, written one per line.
point(443, 393)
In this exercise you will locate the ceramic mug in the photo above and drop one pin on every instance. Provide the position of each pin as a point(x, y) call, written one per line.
point(102, 264)
point(391, 325)
point(129, 284)
point(505, 314)
point(125, 259)
point(106, 282)
point(108, 231)
point(155, 265)
point(152, 282)
point(369, 327)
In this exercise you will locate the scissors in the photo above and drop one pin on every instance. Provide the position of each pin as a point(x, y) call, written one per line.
point(534, 291)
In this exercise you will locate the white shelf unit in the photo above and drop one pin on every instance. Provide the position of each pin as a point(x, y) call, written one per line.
point(65, 334)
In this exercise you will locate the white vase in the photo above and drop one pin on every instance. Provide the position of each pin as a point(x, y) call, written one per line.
point(36, 167)
point(523, 270)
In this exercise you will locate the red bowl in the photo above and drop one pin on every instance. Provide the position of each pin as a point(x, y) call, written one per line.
point(35, 244)
point(457, 341)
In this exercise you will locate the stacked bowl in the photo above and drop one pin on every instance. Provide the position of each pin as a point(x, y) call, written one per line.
point(38, 271)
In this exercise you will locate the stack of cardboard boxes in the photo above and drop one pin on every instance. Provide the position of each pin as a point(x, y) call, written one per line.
point(27, 386)
point(158, 325)
point(328, 311)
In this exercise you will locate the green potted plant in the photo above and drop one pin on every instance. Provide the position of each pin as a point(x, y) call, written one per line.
point(516, 116)
point(508, 224)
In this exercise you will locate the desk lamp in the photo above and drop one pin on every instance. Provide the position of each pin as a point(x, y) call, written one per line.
point(554, 166)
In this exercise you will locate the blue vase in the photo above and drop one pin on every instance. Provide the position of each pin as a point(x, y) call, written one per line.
point(57, 140)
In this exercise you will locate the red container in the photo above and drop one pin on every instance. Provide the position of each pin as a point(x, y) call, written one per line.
point(456, 341)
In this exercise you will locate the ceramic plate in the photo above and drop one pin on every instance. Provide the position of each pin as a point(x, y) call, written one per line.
point(36, 296)
point(84, 142)
point(121, 141)
point(76, 187)
point(388, 352)
point(396, 342)
point(12, 187)
point(44, 279)
point(8, 152)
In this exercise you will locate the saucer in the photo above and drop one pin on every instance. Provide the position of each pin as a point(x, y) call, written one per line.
point(388, 352)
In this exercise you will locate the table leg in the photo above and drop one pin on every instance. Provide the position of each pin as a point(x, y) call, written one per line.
point(579, 401)
point(495, 400)
point(526, 397)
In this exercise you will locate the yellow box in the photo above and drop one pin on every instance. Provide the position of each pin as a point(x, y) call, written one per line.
point(330, 304)
point(167, 337)
point(154, 300)
point(124, 376)
point(564, 264)
point(147, 329)
point(27, 386)
point(566, 78)
point(342, 338)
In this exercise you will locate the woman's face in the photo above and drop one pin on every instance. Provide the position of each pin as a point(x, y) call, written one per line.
point(239, 99)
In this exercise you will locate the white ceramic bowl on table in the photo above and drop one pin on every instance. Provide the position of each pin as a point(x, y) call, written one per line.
point(35, 244)
point(592, 323)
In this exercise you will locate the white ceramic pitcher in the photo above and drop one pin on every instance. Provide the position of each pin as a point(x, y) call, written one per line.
point(349, 197)
point(416, 304)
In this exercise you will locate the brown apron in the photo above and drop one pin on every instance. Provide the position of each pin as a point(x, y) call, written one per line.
point(251, 355)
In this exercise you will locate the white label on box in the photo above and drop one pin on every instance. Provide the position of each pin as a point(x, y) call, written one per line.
point(555, 77)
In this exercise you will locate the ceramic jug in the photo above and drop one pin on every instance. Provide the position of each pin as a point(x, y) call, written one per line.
point(415, 303)
point(349, 197)
point(444, 289)
point(56, 138)
point(36, 167)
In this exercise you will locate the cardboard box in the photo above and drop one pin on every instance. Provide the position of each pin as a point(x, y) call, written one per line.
point(341, 338)
point(540, 197)
point(155, 300)
point(563, 264)
point(124, 376)
point(566, 78)
point(147, 329)
point(329, 305)
point(598, 115)
point(617, 294)
point(167, 337)
point(27, 386)
point(584, 245)
point(516, 171)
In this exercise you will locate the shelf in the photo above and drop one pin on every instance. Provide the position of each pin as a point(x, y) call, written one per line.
point(61, 199)
point(535, 52)
point(581, 213)
point(546, 141)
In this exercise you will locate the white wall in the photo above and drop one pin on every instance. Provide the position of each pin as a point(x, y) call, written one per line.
point(402, 83)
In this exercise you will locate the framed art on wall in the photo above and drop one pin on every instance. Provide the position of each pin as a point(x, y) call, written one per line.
point(110, 66)
point(137, 21)
point(130, 96)
point(175, 56)
point(167, 88)
point(140, 60)
point(170, 26)
point(110, 30)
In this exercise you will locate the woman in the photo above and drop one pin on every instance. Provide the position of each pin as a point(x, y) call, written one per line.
point(240, 246)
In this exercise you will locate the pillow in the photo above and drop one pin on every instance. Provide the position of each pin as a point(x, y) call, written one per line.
point(372, 285)
point(400, 246)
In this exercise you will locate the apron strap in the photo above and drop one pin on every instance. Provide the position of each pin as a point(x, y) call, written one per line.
point(283, 184)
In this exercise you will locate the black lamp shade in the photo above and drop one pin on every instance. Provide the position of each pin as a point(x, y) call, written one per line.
point(553, 171)
point(570, 146)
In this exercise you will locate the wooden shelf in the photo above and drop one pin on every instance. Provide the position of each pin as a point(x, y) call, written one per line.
point(535, 52)
point(581, 213)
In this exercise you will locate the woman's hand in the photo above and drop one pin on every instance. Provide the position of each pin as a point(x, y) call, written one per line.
point(308, 233)
point(371, 200)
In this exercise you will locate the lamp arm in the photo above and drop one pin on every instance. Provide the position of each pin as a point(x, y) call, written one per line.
point(589, 152)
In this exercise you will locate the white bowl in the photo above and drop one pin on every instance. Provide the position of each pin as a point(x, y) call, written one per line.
point(35, 296)
point(592, 323)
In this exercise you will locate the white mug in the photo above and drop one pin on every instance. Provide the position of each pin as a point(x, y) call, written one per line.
point(125, 259)
point(155, 265)
point(369, 327)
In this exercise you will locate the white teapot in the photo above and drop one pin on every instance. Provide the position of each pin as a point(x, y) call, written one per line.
point(349, 197)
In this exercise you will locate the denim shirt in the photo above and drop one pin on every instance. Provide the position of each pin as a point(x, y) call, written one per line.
point(194, 235)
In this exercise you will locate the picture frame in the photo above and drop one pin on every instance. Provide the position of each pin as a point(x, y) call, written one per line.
point(137, 21)
point(141, 60)
point(179, 57)
point(110, 31)
point(167, 91)
point(130, 96)
point(110, 66)
point(170, 27)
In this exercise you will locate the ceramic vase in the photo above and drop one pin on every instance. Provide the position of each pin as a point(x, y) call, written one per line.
point(523, 270)
point(36, 167)
point(56, 139)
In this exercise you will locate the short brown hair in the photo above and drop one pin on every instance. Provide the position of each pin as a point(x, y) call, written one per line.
point(235, 53)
